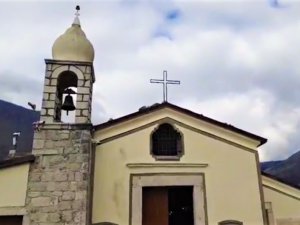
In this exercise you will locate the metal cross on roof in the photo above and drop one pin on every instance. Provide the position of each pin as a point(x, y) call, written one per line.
point(165, 83)
point(77, 10)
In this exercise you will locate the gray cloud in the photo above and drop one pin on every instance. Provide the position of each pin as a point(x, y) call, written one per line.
point(238, 62)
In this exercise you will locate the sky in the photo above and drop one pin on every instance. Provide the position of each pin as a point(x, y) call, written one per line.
point(237, 60)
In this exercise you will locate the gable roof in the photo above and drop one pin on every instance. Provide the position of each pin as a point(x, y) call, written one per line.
point(158, 106)
point(18, 160)
point(280, 180)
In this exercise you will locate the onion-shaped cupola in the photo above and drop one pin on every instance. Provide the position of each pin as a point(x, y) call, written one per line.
point(73, 45)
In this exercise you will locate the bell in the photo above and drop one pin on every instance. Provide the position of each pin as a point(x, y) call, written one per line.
point(68, 104)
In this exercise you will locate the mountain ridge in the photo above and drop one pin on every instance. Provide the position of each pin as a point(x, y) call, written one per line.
point(286, 170)
point(15, 118)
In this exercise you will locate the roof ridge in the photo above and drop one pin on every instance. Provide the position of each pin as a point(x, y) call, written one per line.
point(157, 106)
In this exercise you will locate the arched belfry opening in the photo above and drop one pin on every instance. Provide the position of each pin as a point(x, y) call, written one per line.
point(68, 92)
point(66, 96)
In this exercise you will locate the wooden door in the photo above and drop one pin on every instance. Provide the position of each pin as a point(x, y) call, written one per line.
point(155, 206)
point(11, 220)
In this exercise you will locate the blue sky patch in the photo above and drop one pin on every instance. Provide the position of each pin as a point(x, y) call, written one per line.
point(173, 15)
point(274, 3)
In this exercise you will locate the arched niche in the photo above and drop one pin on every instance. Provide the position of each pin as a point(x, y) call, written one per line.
point(65, 80)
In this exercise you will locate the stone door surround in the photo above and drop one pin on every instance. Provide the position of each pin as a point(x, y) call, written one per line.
point(15, 211)
point(138, 181)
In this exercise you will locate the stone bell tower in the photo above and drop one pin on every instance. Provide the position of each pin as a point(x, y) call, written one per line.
point(59, 184)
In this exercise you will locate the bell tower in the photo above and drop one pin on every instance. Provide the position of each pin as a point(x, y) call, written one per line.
point(59, 183)
point(69, 75)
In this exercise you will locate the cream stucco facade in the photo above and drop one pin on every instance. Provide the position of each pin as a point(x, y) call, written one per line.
point(13, 186)
point(13, 190)
point(228, 162)
point(284, 201)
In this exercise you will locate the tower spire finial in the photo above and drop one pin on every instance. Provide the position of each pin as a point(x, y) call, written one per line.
point(76, 19)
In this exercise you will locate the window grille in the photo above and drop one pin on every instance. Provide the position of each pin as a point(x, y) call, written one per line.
point(166, 141)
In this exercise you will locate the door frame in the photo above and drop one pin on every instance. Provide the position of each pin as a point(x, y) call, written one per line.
point(138, 181)
point(15, 211)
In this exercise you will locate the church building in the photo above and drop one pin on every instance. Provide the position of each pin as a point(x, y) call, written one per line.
point(161, 165)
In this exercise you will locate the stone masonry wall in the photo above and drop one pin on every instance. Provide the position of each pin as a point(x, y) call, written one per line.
point(59, 180)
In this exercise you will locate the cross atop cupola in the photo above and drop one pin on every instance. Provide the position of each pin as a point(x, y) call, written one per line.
point(77, 14)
